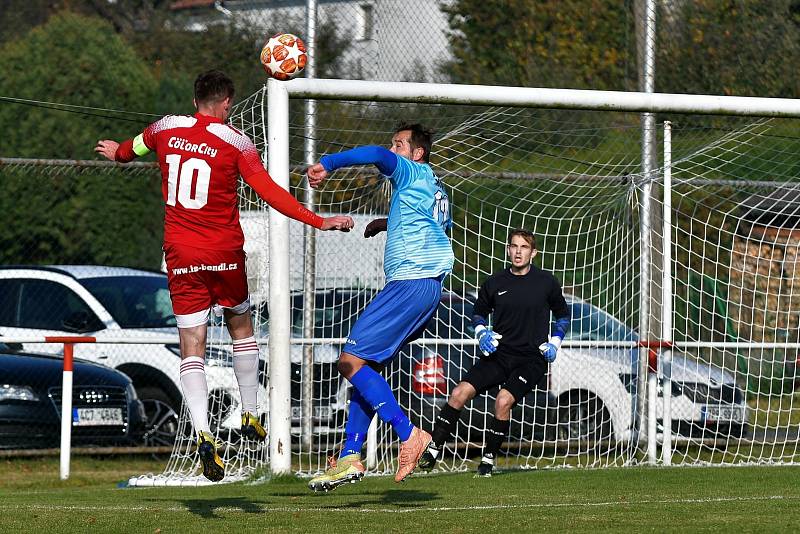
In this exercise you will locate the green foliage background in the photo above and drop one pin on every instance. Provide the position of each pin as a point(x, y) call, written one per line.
point(95, 217)
point(133, 55)
point(581, 44)
point(147, 69)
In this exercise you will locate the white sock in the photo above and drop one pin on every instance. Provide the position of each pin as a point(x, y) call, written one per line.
point(195, 391)
point(245, 367)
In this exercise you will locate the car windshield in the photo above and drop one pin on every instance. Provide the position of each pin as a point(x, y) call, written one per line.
point(590, 323)
point(134, 301)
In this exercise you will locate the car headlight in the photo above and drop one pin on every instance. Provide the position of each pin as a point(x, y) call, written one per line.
point(20, 393)
point(215, 356)
point(677, 388)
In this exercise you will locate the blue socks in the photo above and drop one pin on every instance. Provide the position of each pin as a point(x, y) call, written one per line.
point(378, 397)
point(358, 420)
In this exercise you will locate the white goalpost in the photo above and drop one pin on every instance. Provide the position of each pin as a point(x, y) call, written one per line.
point(724, 218)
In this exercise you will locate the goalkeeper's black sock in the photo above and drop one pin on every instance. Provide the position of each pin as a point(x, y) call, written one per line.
point(445, 425)
point(496, 433)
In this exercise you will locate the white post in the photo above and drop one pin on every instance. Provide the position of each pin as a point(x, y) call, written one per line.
point(652, 396)
point(66, 413)
point(280, 409)
point(309, 238)
point(541, 97)
point(372, 443)
point(649, 260)
point(666, 297)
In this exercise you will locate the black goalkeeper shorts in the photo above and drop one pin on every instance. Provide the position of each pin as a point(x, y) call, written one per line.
point(516, 374)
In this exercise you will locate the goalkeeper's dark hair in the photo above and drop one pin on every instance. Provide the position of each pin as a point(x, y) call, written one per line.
point(527, 235)
point(421, 137)
point(212, 86)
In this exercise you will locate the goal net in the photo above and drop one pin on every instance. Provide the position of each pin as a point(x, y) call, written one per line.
point(575, 179)
point(571, 177)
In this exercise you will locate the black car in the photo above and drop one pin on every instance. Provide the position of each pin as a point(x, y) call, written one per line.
point(335, 311)
point(422, 375)
point(105, 409)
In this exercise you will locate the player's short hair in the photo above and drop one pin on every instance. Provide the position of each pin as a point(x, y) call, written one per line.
point(212, 86)
point(421, 137)
point(527, 235)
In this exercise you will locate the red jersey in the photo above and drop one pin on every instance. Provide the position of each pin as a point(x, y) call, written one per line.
point(201, 160)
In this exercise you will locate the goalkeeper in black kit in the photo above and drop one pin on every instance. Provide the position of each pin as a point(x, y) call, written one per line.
point(516, 351)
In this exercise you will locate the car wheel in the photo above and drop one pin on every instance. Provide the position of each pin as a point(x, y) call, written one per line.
point(162, 418)
point(583, 417)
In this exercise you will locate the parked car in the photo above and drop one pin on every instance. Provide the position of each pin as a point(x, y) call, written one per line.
point(106, 410)
point(115, 302)
point(595, 385)
point(335, 311)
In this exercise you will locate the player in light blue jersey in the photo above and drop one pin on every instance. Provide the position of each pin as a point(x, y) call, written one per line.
point(418, 256)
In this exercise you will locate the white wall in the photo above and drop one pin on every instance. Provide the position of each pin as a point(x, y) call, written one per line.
point(344, 259)
point(408, 41)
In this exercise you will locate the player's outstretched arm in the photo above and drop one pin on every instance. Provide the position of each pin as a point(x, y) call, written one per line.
point(125, 151)
point(107, 148)
point(384, 159)
point(316, 175)
point(343, 223)
point(280, 199)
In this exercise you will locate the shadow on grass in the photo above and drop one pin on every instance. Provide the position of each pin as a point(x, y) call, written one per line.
point(400, 498)
point(207, 508)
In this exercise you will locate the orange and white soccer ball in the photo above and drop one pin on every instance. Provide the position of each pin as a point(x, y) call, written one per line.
point(284, 56)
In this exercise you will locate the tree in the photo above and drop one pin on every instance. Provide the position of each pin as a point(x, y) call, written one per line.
point(730, 47)
point(69, 217)
point(583, 44)
point(75, 60)
point(177, 55)
point(18, 17)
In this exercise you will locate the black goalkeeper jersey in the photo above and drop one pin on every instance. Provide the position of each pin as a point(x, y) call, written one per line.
point(520, 306)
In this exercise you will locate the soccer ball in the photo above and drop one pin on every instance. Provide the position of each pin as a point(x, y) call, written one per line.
point(284, 56)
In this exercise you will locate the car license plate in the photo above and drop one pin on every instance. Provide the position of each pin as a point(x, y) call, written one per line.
point(97, 417)
point(320, 412)
point(723, 414)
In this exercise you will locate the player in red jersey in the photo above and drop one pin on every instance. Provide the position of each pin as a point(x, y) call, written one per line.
point(201, 159)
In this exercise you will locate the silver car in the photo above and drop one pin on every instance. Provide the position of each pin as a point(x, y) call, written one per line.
point(595, 386)
point(117, 302)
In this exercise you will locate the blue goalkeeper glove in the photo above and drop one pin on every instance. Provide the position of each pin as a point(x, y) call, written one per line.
point(549, 350)
point(487, 339)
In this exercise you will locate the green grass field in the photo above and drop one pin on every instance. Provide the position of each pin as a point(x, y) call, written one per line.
point(746, 499)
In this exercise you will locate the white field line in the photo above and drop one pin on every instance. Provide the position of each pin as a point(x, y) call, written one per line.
point(423, 509)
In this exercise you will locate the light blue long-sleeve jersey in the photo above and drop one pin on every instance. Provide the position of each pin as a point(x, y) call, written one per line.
point(417, 245)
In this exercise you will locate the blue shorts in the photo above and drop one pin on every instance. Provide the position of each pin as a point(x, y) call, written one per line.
point(397, 315)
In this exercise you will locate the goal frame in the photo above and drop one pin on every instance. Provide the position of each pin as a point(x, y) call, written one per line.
point(278, 95)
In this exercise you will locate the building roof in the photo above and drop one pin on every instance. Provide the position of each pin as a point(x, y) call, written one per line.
point(780, 208)
point(189, 4)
